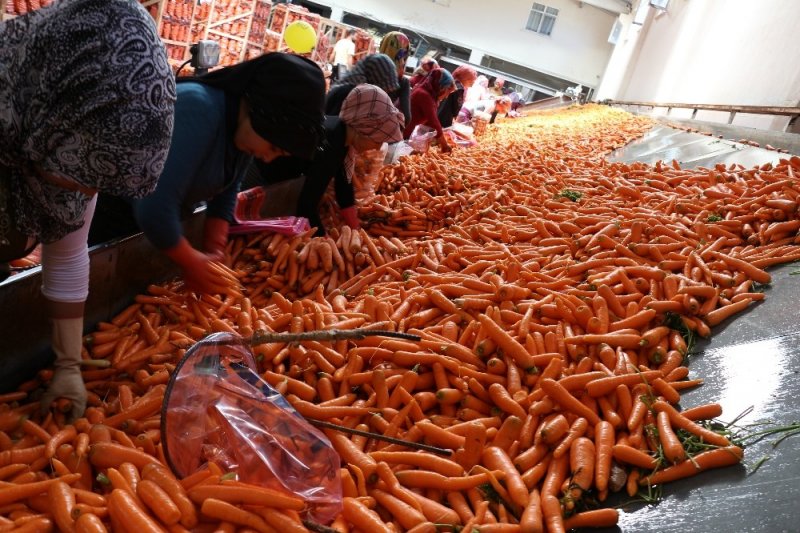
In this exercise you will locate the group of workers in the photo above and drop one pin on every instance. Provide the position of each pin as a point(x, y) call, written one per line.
point(98, 140)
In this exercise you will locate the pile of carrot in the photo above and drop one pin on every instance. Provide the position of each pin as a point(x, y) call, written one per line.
point(540, 279)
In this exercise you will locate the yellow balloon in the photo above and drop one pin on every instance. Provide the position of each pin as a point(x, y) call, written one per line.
point(300, 37)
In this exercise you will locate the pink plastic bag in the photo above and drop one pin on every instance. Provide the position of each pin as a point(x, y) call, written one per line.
point(218, 409)
point(247, 218)
point(421, 138)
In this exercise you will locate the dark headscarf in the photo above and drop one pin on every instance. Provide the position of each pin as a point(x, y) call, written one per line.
point(87, 96)
point(376, 69)
point(286, 95)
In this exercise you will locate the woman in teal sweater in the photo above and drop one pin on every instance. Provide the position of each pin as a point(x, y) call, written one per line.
point(264, 108)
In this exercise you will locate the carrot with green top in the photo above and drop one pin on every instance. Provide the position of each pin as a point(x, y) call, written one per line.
point(716, 458)
point(679, 421)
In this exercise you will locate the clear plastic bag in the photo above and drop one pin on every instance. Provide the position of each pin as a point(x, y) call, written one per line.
point(421, 138)
point(218, 409)
point(396, 151)
point(368, 166)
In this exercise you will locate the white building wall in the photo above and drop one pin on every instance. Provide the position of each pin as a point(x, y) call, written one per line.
point(577, 49)
point(715, 52)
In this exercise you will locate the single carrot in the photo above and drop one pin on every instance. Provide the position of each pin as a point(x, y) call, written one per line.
point(594, 518)
point(161, 476)
point(553, 517)
point(431, 462)
point(721, 313)
point(406, 515)
point(604, 386)
point(576, 430)
point(89, 523)
point(432, 480)
point(246, 494)
point(681, 422)
point(716, 458)
point(283, 521)
point(158, 501)
point(123, 507)
point(604, 442)
point(582, 463)
point(703, 412)
point(511, 347)
point(497, 459)
point(111, 455)
point(567, 401)
point(220, 510)
point(504, 401)
point(17, 492)
point(362, 517)
point(61, 499)
point(633, 456)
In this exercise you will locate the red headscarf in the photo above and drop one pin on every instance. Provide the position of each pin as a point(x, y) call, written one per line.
point(465, 73)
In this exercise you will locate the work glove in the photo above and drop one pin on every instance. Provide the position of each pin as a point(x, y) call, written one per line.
point(350, 216)
point(67, 381)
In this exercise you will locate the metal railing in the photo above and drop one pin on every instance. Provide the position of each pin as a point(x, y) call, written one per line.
point(732, 110)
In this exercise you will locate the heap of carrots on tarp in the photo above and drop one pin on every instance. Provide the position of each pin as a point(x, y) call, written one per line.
point(553, 291)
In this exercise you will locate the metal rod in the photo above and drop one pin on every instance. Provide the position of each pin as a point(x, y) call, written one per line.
point(378, 436)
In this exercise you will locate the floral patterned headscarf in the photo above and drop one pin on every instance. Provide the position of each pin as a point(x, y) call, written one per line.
point(396, 45)
point(86, 98)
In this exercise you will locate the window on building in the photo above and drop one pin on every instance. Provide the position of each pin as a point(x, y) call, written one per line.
point(542, 19)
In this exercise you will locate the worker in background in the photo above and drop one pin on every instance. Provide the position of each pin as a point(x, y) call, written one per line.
point(425, 99)
point(73, 124)
point(367, 119)
point(425, 67)
point(397, 46)
point(375, 69)
point(498, 88)
point(263, 108)
point(484, 109)
point(479, 90)
point(343, 53)
point(464, 77)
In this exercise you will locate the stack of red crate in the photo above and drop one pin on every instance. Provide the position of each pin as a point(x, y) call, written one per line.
point(285, 14)
point(256, 39)
point(229, 25)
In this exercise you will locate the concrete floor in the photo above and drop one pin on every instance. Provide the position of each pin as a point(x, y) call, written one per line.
point(751, 361)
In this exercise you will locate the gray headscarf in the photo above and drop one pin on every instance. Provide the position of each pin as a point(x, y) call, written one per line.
point(375, 69)
point(87, 96)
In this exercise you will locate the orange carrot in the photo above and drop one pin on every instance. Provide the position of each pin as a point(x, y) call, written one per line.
point(716, 458)
point(123, 507)
point(593, 518)
point(681, 422)
point(567, 401)
point(363, 517)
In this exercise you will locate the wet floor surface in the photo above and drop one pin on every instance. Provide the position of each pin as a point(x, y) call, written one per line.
point(751, 362)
